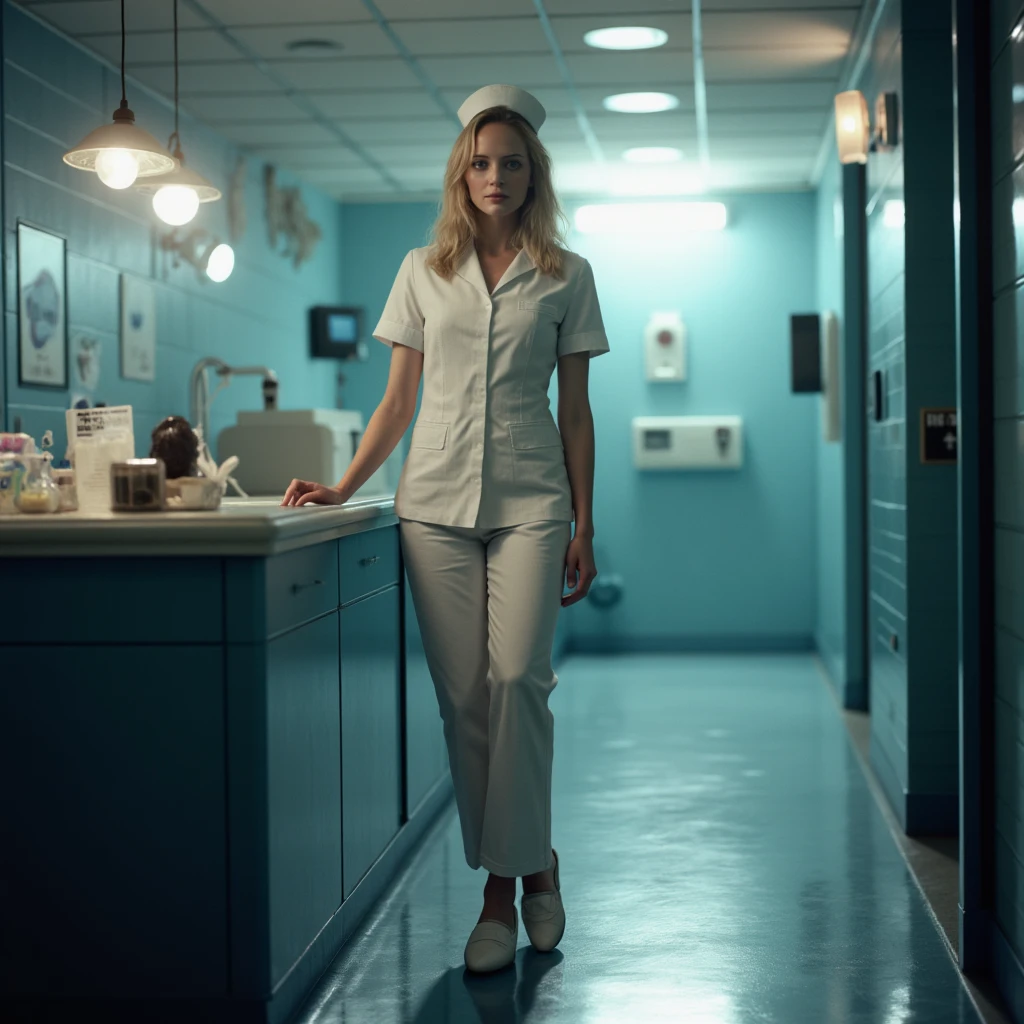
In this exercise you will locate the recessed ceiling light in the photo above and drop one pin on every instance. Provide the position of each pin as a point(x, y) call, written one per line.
point(640, 102)
point(631, 38)
point(653, 155)
point(312, 47)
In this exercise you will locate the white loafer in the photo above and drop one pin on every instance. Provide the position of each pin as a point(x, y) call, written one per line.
point(492, 945)
point(544, 916)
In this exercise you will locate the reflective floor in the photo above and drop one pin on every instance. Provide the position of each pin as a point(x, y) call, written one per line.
point(722, 862)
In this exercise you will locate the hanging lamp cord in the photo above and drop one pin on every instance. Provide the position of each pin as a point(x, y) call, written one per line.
point(124, 91)
point(175, 137)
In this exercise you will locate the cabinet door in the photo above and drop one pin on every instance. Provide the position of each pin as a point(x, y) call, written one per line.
point(370, 740)
point(426, 756)
point(303, 788)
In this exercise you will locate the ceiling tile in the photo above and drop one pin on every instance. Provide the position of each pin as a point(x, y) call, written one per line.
point(473, 35)
point(470, 73)
point(410, 10)
point(235, 109)
point(347, 73)
point(78, 16)
point(813, 95)
point(286, 134)
point(644, 69)
point(742, 6)
point(421, 129)
point(302, 157)
point(623, 7)
point(397, 103)
point(355, 40)
point(158, 47)
point(233, 78)
point(828, 30)
point(737, 65)
point(296, 12)
point(781, 123)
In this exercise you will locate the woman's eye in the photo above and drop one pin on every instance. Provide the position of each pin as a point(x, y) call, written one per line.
point(514, 165)
point(480, 165)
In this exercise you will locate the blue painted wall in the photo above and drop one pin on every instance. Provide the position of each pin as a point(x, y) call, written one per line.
point(707, 559)
point(830, 622)
point(55, 94)
point(1008, 274)
point(912, 617)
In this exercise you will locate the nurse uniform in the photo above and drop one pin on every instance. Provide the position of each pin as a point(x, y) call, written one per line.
point(485, 510)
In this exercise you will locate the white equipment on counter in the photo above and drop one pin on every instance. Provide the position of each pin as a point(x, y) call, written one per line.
point(688, 442)
point(275, 446)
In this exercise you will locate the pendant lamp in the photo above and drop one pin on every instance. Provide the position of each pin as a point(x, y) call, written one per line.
point(120, 152)
point(178, 193)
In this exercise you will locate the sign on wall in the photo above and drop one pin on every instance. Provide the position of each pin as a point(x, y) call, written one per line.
point(939, 437)
point(42, 309)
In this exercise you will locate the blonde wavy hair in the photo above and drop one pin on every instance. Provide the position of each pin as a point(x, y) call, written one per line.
point(541, 227)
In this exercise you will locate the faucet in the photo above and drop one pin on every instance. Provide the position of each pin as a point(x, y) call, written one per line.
point(199, 391)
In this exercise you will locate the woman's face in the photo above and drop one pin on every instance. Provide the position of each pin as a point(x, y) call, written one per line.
point(499, 174)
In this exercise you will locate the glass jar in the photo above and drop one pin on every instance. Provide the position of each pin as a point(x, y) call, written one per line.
point(64, 478)
point(38, 492)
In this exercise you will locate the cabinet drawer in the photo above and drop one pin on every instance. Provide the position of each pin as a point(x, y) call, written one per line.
point(368, 561)
point(300, 586)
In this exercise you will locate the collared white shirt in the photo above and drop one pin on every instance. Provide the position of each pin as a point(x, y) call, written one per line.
point(485, 448)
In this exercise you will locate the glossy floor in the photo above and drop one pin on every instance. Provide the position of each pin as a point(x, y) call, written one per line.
point(723, 862)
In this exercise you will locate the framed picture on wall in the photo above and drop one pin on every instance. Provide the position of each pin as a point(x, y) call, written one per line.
point(42, 308)
point(138, 329)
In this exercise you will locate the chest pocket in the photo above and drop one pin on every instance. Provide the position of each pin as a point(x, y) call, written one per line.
point(540, 308)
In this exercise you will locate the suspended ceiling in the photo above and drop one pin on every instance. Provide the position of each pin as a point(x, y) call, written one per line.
point(375, 118)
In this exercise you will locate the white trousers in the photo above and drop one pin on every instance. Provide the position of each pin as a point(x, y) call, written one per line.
point(487, 602)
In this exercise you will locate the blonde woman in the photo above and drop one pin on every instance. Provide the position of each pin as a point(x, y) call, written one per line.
point(491, 488)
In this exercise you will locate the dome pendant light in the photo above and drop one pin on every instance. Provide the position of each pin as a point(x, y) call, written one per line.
point(178, 193)
point(120, 152)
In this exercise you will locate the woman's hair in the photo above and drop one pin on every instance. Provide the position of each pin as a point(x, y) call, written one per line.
point(541, 222)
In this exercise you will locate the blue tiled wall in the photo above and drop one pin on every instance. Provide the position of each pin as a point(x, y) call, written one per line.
point(912, 620)
point(719, 559)
point(830, 621)
point(54, 94)
point(1008, 281)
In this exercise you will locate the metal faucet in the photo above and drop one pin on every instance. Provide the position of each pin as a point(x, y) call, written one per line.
point(199, 389)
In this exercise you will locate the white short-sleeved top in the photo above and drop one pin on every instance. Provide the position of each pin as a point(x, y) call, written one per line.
point(485, 448)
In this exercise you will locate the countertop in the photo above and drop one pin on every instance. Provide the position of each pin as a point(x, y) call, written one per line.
point(241, 526)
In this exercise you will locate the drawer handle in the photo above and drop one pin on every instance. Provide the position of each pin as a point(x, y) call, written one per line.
point(370, 560)
point(297, 587)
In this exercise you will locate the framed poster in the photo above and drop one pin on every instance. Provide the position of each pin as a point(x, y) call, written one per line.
point(138, 329)
point(42, 308)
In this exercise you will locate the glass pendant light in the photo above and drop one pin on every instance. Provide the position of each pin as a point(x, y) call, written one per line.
point(177, 194)
point(120, 152)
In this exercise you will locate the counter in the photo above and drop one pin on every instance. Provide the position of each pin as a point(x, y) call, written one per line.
point(219, 741)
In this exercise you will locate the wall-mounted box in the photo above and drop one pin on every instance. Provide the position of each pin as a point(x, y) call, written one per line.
point(688, 442)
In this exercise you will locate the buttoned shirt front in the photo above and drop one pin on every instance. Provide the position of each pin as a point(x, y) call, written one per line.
point(485, 449)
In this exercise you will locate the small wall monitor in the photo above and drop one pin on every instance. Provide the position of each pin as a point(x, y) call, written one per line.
point(335, 331)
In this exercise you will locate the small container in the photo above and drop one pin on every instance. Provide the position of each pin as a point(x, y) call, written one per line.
point(138, 485)
point(12, 470)
point(38, 492)
point(193, 493)
point(64, 478)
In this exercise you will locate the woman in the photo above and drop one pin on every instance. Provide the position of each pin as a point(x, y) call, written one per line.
point(490, 489)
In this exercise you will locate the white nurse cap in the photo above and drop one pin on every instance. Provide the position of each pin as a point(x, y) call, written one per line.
point(510, 96)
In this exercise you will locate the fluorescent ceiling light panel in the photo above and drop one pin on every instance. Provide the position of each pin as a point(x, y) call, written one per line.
point(632, 38)
point(641, 102)
point(653, 155)
point(650, 218)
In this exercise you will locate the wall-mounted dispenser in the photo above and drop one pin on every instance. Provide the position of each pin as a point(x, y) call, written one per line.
point(688, 442)
point(831, 406)
point(665, 348)
point(805, 352)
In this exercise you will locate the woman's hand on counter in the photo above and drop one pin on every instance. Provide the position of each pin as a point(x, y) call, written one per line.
point(308, 492)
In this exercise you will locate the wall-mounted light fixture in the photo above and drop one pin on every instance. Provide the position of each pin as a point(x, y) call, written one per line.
point(852, 127)
point(177, 194)
point(650, 218)
point(210, 256)
point(120, 152)
point(887, 121)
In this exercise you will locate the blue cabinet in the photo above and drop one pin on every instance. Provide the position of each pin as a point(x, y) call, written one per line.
point(370, 731)
point(425, 752)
